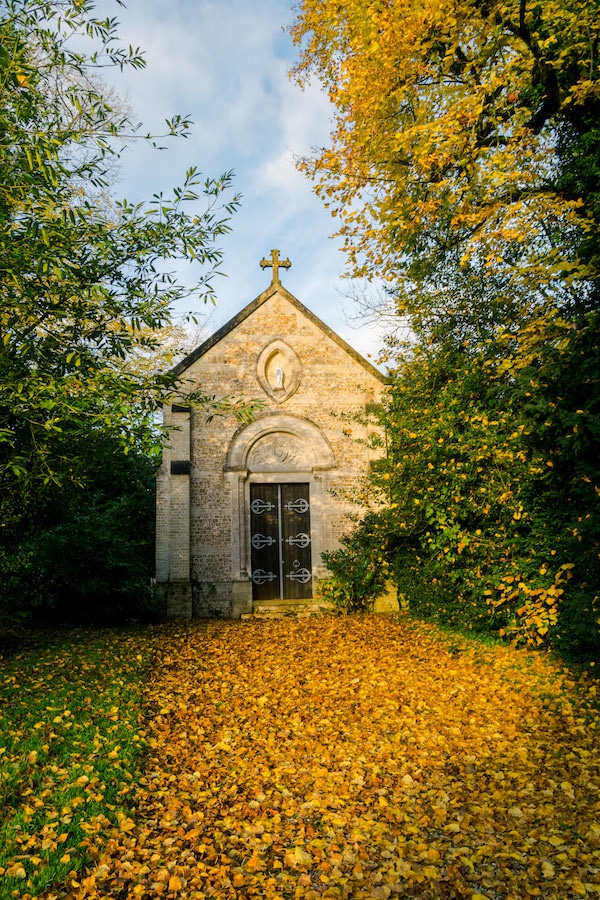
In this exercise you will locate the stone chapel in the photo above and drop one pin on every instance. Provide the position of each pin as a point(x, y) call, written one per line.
point(244, 511)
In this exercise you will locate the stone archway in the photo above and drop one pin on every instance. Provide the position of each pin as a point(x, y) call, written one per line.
point(293, 430)
point(277, 451)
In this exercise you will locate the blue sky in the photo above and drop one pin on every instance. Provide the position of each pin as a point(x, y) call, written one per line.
point(225, 65)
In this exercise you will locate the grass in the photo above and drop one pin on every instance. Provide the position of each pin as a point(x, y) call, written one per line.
point(69, 746)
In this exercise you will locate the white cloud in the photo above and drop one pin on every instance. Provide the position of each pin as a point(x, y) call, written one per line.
point(302, 123)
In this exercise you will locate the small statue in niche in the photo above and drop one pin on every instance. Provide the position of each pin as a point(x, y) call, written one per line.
point(278, 379)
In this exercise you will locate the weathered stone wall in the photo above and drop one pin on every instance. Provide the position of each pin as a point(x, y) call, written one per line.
point(173, 545)
point(328, 387)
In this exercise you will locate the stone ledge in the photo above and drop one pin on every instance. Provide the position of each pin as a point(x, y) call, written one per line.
point(285, 610)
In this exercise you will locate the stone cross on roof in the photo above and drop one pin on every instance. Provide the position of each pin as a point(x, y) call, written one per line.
point(275, 263)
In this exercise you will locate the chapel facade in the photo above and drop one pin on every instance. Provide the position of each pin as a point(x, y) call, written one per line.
point(244, 510)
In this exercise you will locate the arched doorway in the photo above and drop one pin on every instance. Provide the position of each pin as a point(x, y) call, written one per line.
point(278, 468)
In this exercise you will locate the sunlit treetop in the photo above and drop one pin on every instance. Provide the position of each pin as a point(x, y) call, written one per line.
point(445, 127)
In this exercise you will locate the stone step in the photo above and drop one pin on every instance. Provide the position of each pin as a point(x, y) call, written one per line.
point(286, 609)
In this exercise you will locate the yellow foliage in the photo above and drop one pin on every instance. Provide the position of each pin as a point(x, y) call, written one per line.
point(442, 116)
point(387, 763)
point(539, 610)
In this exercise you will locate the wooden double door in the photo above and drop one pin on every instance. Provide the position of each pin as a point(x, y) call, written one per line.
point(280, 542)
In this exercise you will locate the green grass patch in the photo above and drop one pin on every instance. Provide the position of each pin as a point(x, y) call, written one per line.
point(70, 742)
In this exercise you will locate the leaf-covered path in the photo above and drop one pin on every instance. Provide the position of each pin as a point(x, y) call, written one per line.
point(358, 758)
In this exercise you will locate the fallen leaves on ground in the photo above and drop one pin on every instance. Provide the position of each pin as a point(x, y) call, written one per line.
point(69, 743)
point(356, 758)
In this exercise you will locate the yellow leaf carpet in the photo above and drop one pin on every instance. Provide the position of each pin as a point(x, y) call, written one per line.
point(358, 758)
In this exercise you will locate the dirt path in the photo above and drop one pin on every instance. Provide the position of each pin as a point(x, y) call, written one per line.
point(358, 758)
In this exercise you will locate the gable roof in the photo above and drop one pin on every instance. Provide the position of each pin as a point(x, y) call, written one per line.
point(254, 305)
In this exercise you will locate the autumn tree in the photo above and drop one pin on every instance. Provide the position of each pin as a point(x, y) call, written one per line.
point(445, 128)
point(86, 282)
point(464, 138)
point(463, 167)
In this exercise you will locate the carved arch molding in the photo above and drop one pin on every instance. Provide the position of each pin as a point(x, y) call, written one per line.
point(280, 444)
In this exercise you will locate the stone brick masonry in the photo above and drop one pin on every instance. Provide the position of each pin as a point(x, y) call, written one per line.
point(310, 384)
